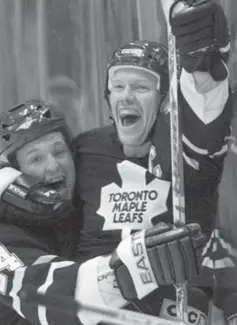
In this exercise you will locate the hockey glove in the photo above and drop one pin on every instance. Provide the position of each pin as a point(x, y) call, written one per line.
point(162, 255)
point(28, 194)
point(202, 37)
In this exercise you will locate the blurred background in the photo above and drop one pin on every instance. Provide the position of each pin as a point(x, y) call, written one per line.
point(58, 50)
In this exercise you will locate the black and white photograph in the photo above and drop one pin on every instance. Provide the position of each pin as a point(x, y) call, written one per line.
point(118, 162)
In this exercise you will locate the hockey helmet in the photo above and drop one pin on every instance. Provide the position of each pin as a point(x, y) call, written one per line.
point(27, 122)
point(143, 55)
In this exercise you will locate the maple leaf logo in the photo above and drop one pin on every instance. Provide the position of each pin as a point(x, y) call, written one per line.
point(134, 204)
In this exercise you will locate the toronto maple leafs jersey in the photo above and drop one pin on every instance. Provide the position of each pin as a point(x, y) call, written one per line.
point(120, 194)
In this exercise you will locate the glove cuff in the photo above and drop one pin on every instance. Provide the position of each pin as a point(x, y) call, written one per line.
point(7, 175)
point(132, 252)
point(95, 285)
point(212, 62)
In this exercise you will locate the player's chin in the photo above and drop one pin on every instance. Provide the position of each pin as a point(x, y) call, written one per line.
point(134, 139)
point(132, 135)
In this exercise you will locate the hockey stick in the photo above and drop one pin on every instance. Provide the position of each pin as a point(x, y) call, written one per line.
point(176, 154)
point(112, 316)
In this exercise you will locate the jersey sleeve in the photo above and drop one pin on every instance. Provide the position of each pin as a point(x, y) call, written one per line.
point(219, 258)
point(26, 261)
point(206, 120)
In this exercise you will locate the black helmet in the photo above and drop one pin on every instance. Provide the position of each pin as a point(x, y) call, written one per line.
point(151, 56)
point(27, 122)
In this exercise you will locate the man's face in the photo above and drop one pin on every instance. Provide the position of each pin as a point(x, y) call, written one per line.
point(49, 159)
point(134, 100)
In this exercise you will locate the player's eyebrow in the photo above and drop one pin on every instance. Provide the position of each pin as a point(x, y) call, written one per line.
point(30, 151)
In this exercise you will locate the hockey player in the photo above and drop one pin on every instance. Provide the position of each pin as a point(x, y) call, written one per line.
point(35, 139)
point(38, 248)
point(126, 167)
point(124, 171)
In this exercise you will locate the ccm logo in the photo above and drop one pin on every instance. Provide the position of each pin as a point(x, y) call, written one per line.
point(168, 311)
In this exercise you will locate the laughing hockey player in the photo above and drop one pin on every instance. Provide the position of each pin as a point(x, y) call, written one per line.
point(123, 177)
point(129, 162)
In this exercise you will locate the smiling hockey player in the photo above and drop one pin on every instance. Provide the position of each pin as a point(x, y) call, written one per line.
point(134, 154)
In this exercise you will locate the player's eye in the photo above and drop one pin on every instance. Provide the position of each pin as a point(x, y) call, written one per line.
point(118, 86)
point(60, 152)
point(142, 88)
point(35, 159)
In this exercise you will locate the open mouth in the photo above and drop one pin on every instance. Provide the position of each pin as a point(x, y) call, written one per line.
point(129, 119)
point(57, 184)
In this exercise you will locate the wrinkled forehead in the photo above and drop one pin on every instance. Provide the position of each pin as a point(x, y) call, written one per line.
point(44, 142)
point(127, 73)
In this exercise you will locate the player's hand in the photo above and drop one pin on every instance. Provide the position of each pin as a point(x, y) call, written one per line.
point(28, 194)
point(162, 255)
point(201, 26)
point(202, 36)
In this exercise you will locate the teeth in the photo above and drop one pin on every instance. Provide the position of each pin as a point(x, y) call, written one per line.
point(56, 180)
point(128, 113)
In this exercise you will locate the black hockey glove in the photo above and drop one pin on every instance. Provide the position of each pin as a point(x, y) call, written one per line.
point(202, 37)
point(30, 195)
point(162, 255)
